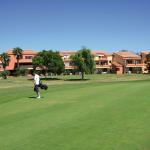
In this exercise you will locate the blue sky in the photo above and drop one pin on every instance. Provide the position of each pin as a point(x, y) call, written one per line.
point(109, 25)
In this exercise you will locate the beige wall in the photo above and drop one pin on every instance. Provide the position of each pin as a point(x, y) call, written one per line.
point(109, 58)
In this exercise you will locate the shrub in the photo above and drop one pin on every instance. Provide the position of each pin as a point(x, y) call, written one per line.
point(20, 72)
point(4, 74)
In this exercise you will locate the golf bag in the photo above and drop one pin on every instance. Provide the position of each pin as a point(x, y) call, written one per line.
point(43, 86)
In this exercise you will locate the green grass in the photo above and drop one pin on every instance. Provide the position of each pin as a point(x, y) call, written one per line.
point(107, 112)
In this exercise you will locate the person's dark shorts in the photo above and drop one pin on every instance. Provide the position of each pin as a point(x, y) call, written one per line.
point(36, 88)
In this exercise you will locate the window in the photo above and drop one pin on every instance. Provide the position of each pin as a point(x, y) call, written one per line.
point(137, 62)
point(129, 61)
point(66, 57)
point(66, 64)
point(104, 62)
point(117, 69)
point(28, 57)
point(71, 64)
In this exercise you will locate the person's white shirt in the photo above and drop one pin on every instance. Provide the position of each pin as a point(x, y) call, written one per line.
point(36, 79)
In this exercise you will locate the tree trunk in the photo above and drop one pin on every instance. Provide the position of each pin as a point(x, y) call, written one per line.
point(17, 63)
point(82, 74)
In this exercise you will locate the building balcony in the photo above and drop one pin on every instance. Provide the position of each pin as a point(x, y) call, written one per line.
point(24, 61)
point(66, 59)
point(134, 65)
point(70, 67)
point(100, 59)
point(102, 66)
point(26, 66)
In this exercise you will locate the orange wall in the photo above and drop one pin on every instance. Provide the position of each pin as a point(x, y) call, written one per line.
point(13, 59)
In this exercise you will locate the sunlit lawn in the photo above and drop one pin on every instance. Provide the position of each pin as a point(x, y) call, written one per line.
point(104, 112)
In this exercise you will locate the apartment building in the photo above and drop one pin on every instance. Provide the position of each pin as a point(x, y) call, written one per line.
point(118, 62)
point(103, 61)
point(145, 61)
point(127, 62)
point(65, 55)
point(25, 62)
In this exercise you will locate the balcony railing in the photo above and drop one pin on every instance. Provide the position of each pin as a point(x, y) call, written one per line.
point(99, 59)
point(134, 65)
point(66, 59)
point(70, 67)
point(103, 66)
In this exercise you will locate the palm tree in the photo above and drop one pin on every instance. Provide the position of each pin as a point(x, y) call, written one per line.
point(18, 53)
point(4, 57)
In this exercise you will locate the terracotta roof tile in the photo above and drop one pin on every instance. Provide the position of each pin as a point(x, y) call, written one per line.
point(127, 55)
point(116, 64)
point(24, 52)
point(94, 52)
point(67, 52)
point(145, 52)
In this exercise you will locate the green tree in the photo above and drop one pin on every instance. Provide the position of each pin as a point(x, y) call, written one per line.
point(37, 61)
point(84, 61)
point(49, 62)
point(18, 52)
point(5, 60)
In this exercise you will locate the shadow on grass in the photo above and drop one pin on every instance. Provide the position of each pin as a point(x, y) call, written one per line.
point(76, 79)
point(56, 79)
point(47, 79)
point(33, 97)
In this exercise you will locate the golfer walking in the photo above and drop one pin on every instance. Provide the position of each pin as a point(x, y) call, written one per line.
point(36, 85)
